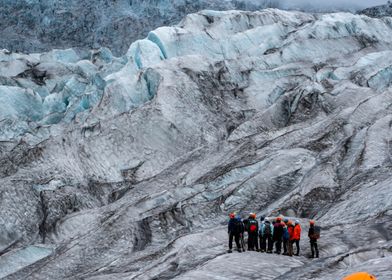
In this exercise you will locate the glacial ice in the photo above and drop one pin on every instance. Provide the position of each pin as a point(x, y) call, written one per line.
point(72, 82)
point(228, 111)
point(145, 53)
point(13, 261)
point(20, 104)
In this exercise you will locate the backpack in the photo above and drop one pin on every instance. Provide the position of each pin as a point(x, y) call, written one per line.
point(317, 231)
point(252, 226)
point(267, 229)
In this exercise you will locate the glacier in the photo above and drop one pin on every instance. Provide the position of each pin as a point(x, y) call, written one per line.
point(125, 167)
point(50, 24)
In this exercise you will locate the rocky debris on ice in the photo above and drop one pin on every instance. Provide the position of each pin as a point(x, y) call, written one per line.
point(378, 11)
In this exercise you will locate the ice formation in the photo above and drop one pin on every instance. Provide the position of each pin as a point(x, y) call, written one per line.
point(127, 166)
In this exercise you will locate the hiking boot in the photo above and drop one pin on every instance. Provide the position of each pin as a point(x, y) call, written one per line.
point(229, 251)
point(239, 250)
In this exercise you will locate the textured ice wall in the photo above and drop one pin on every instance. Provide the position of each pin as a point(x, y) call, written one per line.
point(274, 112)
point(44, 25)
point(32, 25)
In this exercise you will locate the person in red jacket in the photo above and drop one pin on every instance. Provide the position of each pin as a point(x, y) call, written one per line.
point(290, 228)
point(297, 235)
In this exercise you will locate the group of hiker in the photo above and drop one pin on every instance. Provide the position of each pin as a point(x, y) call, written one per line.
point(267, 234)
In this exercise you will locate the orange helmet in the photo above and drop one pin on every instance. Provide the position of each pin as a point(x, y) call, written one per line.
point(360, 276)
point(312, 222)
point(278, 219)
point(232, 215)
point(252, 215)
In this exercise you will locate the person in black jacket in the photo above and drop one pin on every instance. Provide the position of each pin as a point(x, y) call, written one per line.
point(313, 239)
point(235, 228)
point(278, 235)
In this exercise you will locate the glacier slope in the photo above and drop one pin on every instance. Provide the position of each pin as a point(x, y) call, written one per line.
point(271, 111)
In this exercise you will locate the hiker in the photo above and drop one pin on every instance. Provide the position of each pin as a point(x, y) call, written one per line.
point(290, 229)
point(253, 229)
point(262, 249)
point(242, 243)
point(297, 235)
point(360, 276)
point(235, 228)
point(314, 235)
point(266, 232)
point(278, 235)
point(286, 236)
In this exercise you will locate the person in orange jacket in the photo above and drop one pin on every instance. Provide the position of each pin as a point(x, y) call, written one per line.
point(297, 235)
point(360, 276)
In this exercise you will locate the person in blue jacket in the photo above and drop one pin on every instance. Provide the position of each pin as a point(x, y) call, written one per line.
point(286, 236)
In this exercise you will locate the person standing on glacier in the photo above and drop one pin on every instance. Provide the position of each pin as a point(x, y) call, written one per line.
point(235, 228)
point(253, 229)
point(297, 235)
point(290, 229)
point(265, 232)
point(261, 234)
point(278, 235)
point(314, 235)
point(286, 236)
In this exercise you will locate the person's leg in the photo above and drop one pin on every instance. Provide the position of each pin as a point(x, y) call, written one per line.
point(256, 241)
point(279, 246)
point(230, 241)
point(270, 243)
point(242, 241)
point(290, 248)
point(297, 245)
point(316, 248)
point(250, 248)
point(237, 241)
point(285, 247)
point(263, 245)
point(312, 247)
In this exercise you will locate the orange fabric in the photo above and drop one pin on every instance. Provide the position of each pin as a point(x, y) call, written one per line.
point(291, 232)
point(360, 276)
point(297, 232)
